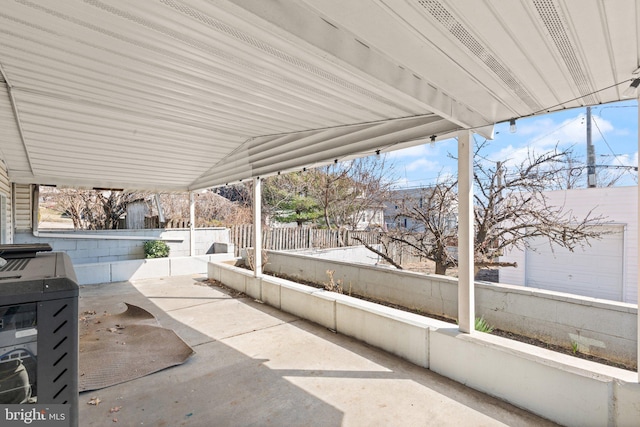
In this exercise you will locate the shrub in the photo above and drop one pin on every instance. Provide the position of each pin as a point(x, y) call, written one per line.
point(156, 249)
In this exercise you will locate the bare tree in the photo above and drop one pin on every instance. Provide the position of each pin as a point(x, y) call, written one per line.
point(426, 223)
point(350, 192)
point(342, 195)
point(94, 209)
point(214, 209)
point(510, 208)
point(572, 173)
point(100, 210)
point(211, 209)
point(72, 203)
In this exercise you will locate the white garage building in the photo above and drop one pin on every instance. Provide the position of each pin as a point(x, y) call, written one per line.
point(606, 269)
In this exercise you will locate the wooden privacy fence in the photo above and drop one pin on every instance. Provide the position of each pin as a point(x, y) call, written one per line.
point(285, 238)
point(173, 223)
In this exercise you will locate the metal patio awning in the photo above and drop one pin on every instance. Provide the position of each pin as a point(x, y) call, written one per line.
point(179, 95)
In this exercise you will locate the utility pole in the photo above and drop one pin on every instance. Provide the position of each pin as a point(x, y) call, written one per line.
point(591, 154)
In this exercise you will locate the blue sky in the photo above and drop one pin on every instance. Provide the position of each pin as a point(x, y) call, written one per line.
point(614, 135)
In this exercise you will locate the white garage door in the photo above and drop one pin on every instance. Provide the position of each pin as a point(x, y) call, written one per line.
point(595, 271)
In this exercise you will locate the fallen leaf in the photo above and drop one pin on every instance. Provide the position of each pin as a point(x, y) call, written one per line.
point(115, 409)
point(95, 401)
point(115, 420)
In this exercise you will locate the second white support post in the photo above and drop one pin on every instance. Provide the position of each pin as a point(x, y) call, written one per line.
point(257, 227)
point(466, 294)
point(192, 224)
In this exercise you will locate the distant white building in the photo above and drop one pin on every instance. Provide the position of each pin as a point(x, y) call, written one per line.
point(607, 269)
point(371, 218)
point(412, 197)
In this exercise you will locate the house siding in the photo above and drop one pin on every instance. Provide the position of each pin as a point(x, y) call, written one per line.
point(619, 205)
point(5, 216)
point(22, 202)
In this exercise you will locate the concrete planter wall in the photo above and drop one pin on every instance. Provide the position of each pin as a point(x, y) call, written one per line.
point(119, 271)
point(562, 388)
point(99, 246)
point(599, 327)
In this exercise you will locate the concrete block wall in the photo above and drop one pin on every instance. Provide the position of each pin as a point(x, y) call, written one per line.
point(599, 327)
point(94, 246)
point(564, 389)
point(119, 271)
point(359, 254)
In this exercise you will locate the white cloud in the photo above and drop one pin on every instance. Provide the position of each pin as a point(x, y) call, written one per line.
point(417, 151)
point(543, 134)
point(422, 164)
point(625, 159)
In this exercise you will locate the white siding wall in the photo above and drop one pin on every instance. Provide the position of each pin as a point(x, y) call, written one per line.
point(5, 216)
point(619, 205)
point(22, 200)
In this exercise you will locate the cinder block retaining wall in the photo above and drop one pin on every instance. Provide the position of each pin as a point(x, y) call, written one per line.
point(120, 271)
point(92, 246)
point(564, 389)
point(598, 327)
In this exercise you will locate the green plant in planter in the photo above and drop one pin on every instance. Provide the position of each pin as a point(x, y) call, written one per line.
point(483, 326)
point(575, 347)
point(156, 249)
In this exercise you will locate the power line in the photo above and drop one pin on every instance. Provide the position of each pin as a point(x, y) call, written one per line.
point(635, 178)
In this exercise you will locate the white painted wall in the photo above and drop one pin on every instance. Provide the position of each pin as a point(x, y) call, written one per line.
point(22, 207)
point(358, 254)
point(120, 271)
point(98, 246)
point(559, 269)
point(601, 328)
point(620, 206)
point(5, 204)
point(561, 388)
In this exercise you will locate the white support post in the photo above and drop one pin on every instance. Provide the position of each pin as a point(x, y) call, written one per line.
point(466, 295)
point(192, 224)
point(257, 227)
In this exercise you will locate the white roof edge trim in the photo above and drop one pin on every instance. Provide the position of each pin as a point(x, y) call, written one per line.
point(362, 142)
point(87, 183)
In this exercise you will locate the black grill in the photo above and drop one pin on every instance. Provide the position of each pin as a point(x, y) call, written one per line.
point(15, 265)
point(39, 332)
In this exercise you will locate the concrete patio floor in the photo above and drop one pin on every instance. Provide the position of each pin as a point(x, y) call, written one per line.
point(257, 366)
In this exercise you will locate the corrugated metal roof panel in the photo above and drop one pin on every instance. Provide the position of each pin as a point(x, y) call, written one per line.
point(183, 94)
